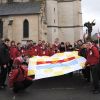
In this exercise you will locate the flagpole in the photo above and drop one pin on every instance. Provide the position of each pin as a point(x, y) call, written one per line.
point(98, 42)
point(98, 38)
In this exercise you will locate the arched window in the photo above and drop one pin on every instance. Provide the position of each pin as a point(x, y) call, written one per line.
point(1, 29)
point(25, 29)
point(31, 0)
point(10, 1)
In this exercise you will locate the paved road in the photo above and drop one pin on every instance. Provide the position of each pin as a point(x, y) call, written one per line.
point(58, 88)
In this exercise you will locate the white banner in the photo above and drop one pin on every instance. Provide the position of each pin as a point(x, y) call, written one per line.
point(56, 65)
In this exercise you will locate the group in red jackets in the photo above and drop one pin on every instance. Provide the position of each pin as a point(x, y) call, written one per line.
point(18, 79)
point(40, 49)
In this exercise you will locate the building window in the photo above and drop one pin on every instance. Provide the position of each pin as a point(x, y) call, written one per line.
point(54, 9)
point(54, 20)
point(10, 1)
point(54, 30)
point(1, 29)
point(31, 0)
point(25, 29)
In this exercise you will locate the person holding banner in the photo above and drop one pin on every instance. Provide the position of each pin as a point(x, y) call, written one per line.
point(86, 71)
point(17, 78)
point(93, 63)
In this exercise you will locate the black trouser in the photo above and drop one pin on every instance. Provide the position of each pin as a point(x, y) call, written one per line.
point(10, 66)
point(21, 85)
point(86, 73)
point(95, 71)
point(3, 75)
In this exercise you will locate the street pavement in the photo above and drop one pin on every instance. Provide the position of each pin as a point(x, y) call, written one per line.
point(57, 88)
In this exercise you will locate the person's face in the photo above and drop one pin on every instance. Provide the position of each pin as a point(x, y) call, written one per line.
point(79, 42)
point(19, 45)
point(84, 46)
point(31, 42)
point(88, 45)
point(28, 42)
point(7, 43)
point(40, 42)
point(13, 43)
point(43, 46)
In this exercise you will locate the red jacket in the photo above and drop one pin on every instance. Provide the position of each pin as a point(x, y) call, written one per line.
point(45, 52)
point(92, 56)
point(52, 51)
point(18, 75)
point(32, 51)
point(39, 50)
point(13, 52)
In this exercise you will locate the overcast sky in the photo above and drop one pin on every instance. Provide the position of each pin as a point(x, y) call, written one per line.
point(91, 11)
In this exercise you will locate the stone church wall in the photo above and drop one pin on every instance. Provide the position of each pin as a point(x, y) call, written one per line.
point(15, 31)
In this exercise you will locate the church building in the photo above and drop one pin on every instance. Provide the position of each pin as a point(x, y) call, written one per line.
point(23, 20)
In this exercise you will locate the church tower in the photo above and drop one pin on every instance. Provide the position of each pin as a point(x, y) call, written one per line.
point(52, 19)
point(64, 20)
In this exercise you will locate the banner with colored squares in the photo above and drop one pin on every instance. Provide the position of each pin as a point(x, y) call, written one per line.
point(56, 65)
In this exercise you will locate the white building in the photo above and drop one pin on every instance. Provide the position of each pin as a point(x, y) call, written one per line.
point(64, 20)
point(22, 20)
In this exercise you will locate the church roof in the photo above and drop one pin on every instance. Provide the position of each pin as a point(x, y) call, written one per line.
point(19, 8)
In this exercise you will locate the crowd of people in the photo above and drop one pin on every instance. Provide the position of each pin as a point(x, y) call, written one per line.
point(14, 60)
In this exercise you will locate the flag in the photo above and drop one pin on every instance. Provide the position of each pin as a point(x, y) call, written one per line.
point(56, 65)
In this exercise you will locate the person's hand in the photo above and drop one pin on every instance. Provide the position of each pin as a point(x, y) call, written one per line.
point(11, 88)
point(5, 66)
point(87, 64)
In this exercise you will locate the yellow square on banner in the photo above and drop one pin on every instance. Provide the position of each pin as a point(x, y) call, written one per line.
point(60, 54)
point(58, 73)
point(66, 68)
point(82, 65)
point(49, 70)
point(32, 61)
point(31, 72)
point(55, 59)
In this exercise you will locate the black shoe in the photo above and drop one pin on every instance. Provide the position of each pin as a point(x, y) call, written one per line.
point(2, 87)
point(15, 90)
point(5, 85)
point(87, 80)
point(96, 91)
